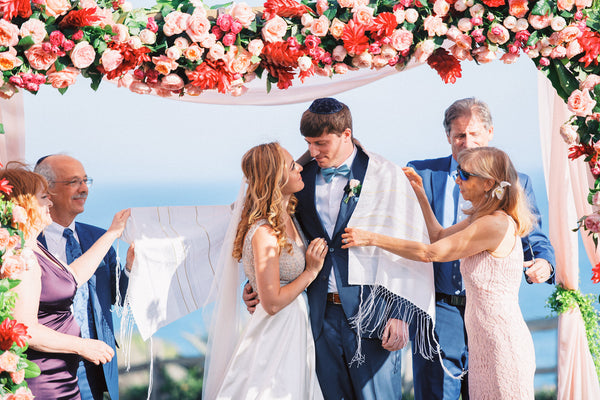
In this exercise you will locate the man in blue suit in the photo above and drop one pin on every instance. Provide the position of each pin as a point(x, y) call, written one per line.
point(68, 189)
point(468, 124)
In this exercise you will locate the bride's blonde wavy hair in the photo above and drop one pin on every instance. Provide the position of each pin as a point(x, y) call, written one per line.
point(493, 163)
point(264, 166)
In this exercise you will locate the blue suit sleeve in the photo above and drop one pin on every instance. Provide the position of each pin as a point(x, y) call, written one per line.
point(536, 242)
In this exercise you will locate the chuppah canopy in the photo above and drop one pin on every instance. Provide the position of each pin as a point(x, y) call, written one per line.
point(183, 52)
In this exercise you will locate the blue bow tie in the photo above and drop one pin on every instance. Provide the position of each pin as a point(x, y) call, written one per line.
point(329, 173)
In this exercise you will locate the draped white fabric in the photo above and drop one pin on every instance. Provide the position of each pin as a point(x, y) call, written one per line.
point(12, 117)
point(567, 183)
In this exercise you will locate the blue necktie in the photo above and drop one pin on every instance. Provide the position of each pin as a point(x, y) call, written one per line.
point(329, 173)
point(81, 304)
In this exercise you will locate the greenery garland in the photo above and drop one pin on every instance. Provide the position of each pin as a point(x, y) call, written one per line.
point(563, 300)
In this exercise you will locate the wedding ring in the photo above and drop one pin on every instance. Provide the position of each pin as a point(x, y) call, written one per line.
point(344, 241)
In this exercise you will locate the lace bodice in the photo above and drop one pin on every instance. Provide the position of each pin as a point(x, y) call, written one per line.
point(290, 264)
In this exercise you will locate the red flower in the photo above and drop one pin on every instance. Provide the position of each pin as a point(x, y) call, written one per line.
point(590, 42)
point(211, 75)
point(132, 58)
point(12, 8)
point(5, 186)
point(596, 273)
point(355, 41)
point(280, 60)
point(284, 8)
point(12, 332)
point(579, 150)
point(80, 18)
point(384, 25)
point(494, 3)
point(446, 65)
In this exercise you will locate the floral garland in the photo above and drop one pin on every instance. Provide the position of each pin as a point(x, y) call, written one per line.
point(14, 366)
point(563, 300)
point(183, 47)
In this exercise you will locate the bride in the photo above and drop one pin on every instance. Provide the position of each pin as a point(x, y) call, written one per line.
point(275, 356)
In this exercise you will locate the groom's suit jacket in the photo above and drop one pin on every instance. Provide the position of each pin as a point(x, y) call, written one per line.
point(306, 213)
point(435, 176)
point(102, 288)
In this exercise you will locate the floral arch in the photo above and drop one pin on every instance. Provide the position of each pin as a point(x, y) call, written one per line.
point(182, 48)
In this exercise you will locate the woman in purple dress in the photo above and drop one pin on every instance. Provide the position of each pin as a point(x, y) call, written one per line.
point(46, 293)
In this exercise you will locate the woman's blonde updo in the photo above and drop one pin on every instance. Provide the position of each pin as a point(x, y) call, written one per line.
point(263, 167)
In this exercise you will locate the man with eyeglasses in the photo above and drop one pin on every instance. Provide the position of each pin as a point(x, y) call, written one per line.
point(68, 186)
point(468, 124)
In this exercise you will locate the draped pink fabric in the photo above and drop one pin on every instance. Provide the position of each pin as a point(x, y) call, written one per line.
point(12, 116)
point(567, 183)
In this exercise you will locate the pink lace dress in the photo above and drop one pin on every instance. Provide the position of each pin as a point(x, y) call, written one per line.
point(501, 355)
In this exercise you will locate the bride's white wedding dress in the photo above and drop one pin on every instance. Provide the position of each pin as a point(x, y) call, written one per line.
point(275, 358)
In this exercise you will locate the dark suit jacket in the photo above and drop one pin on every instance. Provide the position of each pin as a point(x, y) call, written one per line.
point(435, 175)
point(103, 294)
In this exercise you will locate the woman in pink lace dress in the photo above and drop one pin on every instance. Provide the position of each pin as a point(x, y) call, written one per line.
point(501, 355)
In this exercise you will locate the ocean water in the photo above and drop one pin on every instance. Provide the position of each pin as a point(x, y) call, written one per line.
point(105, 200)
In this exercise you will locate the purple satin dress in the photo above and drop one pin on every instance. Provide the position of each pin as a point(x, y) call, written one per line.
point(58, 379)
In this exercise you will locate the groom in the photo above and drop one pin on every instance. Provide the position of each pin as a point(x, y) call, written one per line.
point(325, 206)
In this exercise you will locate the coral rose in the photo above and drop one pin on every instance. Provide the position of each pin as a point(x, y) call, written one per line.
point(111, 59)
point(320, 26)
point(322, 6)
point(423, 50)
point(64, 78)
point(441, 7)
point(274, 29)
point(8, 61)
point(18, 377)
point(539, 21)
point(484, 55)
point(340, 68)
point(9, 33)
point(9, 361)
point(198, 28)
point(39, 58)
point(498, 34)
point(337, 28)
point(363, 15)
point(34, 28)
point(565, 5)
point(181, 43)
point(193, 52)
point(573, 49)
point(509, 58)
point(518, 8)
point(54, 8)
point(243, 13)
point(19, 215)
point(164, 65)
point(346, 3)
point(83, 55)
point(581, 103)
point(256, 47)
point(435, 26)
point(401, 39)
point(12, 266)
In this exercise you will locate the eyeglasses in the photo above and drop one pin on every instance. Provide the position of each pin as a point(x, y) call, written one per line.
point(464, 175)
point(77, 182)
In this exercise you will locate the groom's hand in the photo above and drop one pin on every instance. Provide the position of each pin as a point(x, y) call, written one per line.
point(250, 298)
point(395, 335)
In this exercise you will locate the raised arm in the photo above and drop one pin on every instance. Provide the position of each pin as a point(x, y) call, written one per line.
point(43, 338)
point(486, 233)
point(273, 296)
point(84, 267)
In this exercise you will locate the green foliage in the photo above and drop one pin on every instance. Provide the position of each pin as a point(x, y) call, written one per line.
point(563, 300)
point(189, 388)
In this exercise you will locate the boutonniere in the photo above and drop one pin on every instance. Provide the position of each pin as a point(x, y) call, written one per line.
point(352, 189)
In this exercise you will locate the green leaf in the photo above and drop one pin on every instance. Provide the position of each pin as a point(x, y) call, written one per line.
point(32, 370)
point(331, 12)
point(542, 7)
point(27, 41)
point(564, 79)
point(217, 6)
point(63, 90)
point(1, 129)
point(96, 79)
point(255, 59)
point(533, 39)
point(268, 86)
point(58, 65)
point(252, 26)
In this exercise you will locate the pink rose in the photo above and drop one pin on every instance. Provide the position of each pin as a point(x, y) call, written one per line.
point(125, 80)
point(122, 33)
point(140, 88)
point(558, 24)
point(241, 63)
point(325, 71)
point(243, 13)
point(339, 53)
point(583, 4)
point(435, 26)
point(7, 90)
point(509, 58)
point(411, 15)
point(379, 62)
point(400, 16)
point(346, 3)
point(274, 29)
point(570, 33)
point(498, 34)
point(465, 25)
point(306, 20)
point(590, 82)
point(12, 266)
point(423, 50)
point(337, 28)
point(209, 42)
point(19, 215)
point(18, 376)
point(83, 55)
point(364, 60)
point(216, 52)
point(558, 52)
point(363, 15)
point(54, 8)
point(164, 65)
point(181, 42)
point(484, 55)
point(580, 103)
point(9, 61)
point(64, 78)
point(322, 6)
point(173, 23)
point(198, 28)
point(88, 4)
point(172, 82)
point(460, 53)
point(256, 47)
point(539, 21)
point(565, 5)
point(111, 59)
point(592, 223)
point(320, 26)
point(39, 58)
point(464, 41)
point(174, 53)
point(229, 39)
point(596, 199)
point(193, 52)
point(192, 90)
point(340, 68)
point(34, 28)
point(9, 361)
point(22, 393)
point(147, 36)
point(9, 33)
point(441, 8)
point(401, 39)
point(569, 134)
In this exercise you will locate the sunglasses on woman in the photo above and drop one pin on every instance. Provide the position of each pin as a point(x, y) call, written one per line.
point(464, 175)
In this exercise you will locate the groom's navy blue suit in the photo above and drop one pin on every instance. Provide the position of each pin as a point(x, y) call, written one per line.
point(379, 376)
point(429, 378)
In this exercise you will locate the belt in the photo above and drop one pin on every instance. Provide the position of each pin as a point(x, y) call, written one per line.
point(333, 298)
point(453, 300)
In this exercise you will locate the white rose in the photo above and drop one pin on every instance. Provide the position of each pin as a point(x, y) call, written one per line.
point(510, 22)
point(460, 6)
point(558, 24)
point(522, 24)
point(477, 10)
point(304, 63)
point(411, 15)
point(307, 20)
point(147, 36)
point(465, 25)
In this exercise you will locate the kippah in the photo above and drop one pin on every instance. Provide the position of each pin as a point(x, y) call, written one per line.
point(325, 105)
